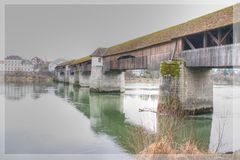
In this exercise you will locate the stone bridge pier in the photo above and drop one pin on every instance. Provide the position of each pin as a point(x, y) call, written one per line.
point(74, 77)
point(67, 74)
point(193, 89)
point(84, 78)
point(60, 76)
point(100, 81)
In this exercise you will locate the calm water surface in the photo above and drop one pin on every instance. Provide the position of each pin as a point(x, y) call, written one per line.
point(58, 118)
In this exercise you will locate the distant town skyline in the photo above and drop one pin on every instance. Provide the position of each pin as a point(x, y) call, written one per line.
point(73, 31)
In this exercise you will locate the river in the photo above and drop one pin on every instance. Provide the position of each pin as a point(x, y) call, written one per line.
point(65, 119)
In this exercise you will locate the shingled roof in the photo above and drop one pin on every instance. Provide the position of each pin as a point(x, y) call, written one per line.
point(99, 52)
point(81, 60)
point(210, 21)
point(65, 63)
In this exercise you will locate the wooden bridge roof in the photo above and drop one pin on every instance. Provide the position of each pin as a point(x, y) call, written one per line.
point(213, 20)
point(65, 63)
point(81, 60)
point(99, 52)
point(75, 61)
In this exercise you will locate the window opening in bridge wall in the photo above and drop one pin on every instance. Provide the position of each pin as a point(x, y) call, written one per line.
point(216, 37)
point(126, 57)
point(228, 33)
point(193, 41)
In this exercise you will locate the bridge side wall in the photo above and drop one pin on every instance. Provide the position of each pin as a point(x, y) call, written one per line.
point(154, 54)
point(218, 57)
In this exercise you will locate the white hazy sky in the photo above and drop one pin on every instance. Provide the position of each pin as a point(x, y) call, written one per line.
point(73, 31)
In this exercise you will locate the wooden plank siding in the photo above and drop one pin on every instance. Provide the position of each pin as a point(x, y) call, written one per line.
point(129, 64)
point(147, 58)
point(86, 67)
point(213, 57)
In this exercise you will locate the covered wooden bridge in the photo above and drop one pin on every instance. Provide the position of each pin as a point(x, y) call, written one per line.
point(210, 41)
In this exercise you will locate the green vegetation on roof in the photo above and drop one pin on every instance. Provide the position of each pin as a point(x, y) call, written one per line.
point(81, 60)
point(75, 61)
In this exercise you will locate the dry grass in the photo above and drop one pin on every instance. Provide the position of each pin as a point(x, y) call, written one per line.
point(162, 146)
point(190, 148)
point(164, 141)
point(167, 145)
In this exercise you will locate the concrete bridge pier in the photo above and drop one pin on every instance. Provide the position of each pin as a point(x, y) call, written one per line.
point(84, 78)
point(73, 77)
point(193, 89)
point(196, 89)
point(67, 74)
point(60, 76)
point(100, 81)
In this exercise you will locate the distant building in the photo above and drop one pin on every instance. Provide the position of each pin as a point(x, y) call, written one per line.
point(37, 61)
point(52, 65)
point(27, 66)
point(16, 63)
point(13, 63)
point(2, 66)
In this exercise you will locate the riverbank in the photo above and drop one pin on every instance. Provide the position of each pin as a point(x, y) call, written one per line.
point(27, 77)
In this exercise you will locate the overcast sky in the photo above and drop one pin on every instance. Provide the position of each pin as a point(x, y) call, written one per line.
point(73, 31)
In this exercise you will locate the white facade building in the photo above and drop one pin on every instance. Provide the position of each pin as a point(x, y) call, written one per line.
point(16, 63)
point(2, 66)
point(13, 63)
point(27, 66)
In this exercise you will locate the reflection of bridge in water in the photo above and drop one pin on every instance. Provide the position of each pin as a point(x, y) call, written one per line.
point(210, 41)
point(117, 116)
point(108, 115)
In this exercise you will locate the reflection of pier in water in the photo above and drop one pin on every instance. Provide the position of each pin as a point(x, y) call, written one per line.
point(117, 116)
point(108, 115)
point(104, 111)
